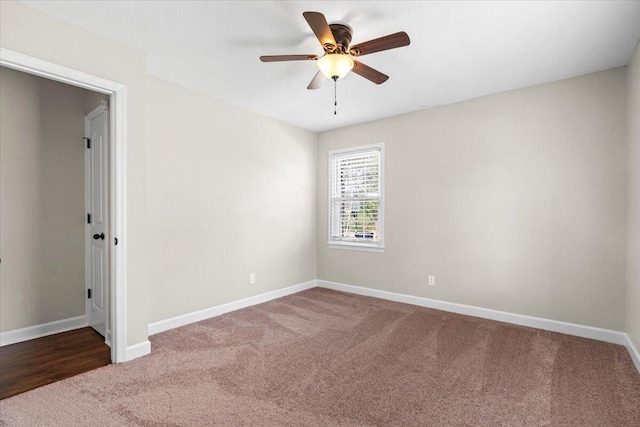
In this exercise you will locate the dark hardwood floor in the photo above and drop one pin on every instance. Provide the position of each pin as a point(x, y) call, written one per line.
point(31, 364)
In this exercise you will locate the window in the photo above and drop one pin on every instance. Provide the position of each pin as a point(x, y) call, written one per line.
point(356, 198)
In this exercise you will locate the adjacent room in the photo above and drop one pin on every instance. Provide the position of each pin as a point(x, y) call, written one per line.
point(47, 165)
point(320, 213)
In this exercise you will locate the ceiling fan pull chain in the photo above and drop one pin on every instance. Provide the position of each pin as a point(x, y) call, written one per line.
point(335, 95)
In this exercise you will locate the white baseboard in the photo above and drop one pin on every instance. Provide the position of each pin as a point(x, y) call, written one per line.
point(606, 335)
point(42, 330)
point(196, 316)
point(633, 351)
point(138, 350)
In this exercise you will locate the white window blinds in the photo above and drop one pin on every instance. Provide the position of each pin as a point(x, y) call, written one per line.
point(356, 195)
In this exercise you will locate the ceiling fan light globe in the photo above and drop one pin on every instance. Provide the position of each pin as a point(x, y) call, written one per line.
point(335, 65)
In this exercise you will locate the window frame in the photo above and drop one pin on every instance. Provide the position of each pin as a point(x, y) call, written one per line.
point(358, 246)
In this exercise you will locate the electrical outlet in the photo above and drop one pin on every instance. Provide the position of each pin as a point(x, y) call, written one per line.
point(252, 278)
point(432, 280)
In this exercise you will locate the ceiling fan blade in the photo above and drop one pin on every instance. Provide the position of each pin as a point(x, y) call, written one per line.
point(278, 58)
point(320, 27)
point(317, 81)
point(391, 41)
point(369, 73)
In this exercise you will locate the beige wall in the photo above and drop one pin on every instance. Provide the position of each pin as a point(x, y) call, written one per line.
point(42, 200)
point(230, 193)
point(515, 202)
point(260, 217)
point(633, 242)
point(33, 33)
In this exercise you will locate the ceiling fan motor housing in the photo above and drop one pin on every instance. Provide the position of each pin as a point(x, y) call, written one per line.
point(342, 33)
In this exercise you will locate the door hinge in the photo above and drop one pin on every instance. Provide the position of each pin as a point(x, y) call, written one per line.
point(89, 293)
point(115, 241)
point(88, 218)
point(88, 141)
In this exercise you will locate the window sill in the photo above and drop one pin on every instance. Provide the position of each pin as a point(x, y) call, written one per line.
point(355, 246)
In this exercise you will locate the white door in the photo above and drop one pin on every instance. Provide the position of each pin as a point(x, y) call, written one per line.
point(97, 236)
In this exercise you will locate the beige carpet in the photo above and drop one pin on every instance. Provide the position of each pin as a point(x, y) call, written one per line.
point(324, 358)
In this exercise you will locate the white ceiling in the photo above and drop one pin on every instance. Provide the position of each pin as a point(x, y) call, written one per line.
point(458, 51)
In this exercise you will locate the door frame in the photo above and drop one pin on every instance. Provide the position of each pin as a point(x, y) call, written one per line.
point(117, 178)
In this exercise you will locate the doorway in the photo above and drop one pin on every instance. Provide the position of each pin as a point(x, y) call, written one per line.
point(46, 179)
point(114, 266)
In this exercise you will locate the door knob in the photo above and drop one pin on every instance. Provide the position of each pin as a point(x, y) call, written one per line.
point(98, 236)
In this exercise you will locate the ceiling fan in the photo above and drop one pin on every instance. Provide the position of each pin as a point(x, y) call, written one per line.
point(338, 58)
